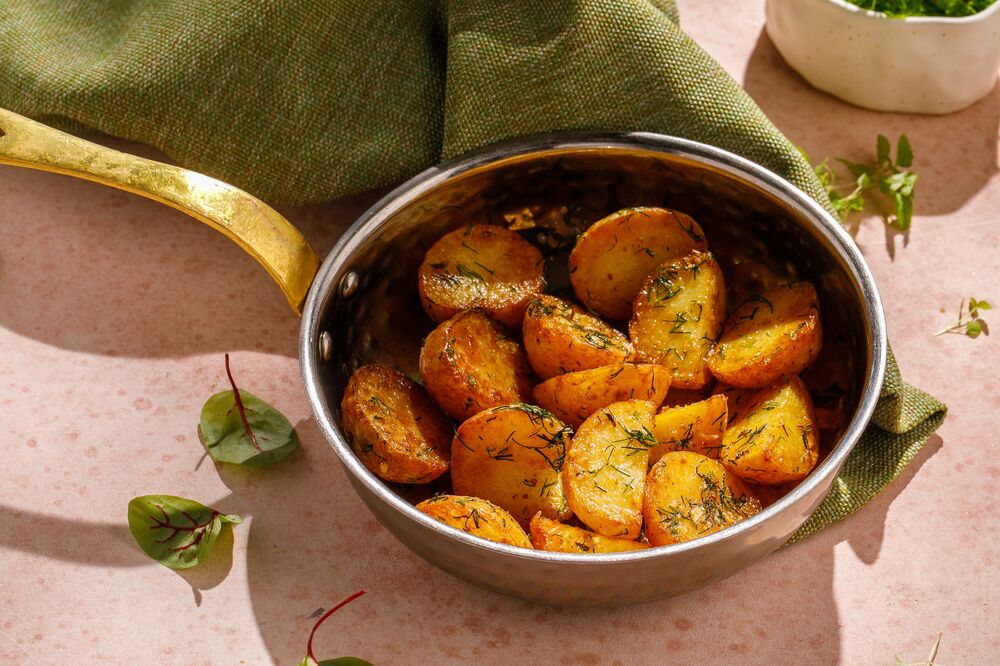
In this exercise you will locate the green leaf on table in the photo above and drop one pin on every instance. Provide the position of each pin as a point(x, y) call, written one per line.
point(176, 532)
point(310, 658)
point(241, 429)
point(339, 661)
point(904, 152)
point(974, 328)
point(882, 150)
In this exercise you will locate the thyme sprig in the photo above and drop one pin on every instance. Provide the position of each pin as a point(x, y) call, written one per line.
point(974, 325)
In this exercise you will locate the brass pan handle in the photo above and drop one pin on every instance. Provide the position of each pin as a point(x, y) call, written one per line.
point(256, 227)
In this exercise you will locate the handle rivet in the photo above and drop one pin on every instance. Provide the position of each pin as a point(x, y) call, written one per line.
point(349, 284)
point(325, 345)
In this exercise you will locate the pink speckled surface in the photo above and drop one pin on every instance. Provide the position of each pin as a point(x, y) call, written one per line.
point(115, 312)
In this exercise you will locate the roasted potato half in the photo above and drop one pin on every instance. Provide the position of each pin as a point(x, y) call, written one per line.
point(697, 427)
point(481, 266)
point(394, 427)
point(606, 466)
point(469, 363)
point(513, 456)
point(561, 337)
point(558, 537)
point(678, 316)
point(774, 439)
point(688, 496)
point(613, 257)
point(477, 517)
point(576, 395)
point(774, 335)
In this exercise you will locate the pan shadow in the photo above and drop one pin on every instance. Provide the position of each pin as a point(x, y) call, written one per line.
point(144, 268)
point(955, 154)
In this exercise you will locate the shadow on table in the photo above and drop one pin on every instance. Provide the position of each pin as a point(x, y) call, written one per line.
point(955, 155)
point(314, 543)
point(105, 272)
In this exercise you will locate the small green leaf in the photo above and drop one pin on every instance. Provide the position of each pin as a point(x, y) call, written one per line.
point(855, 168)
point(225, 437)
point(241, 429)
point(339, 661)
point(974, 328)
point(176, 532)
point(882, 148)
point(904, 153)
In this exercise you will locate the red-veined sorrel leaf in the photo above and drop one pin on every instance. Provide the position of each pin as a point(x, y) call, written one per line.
point(241, 429)
point(176, 532)
point(310, 658)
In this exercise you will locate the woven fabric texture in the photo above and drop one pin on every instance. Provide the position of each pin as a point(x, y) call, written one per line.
point(301, 101)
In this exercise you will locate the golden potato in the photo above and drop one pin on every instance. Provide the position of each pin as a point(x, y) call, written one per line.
point(606, 467)
point(576, 395)
point(678, 316)
point(513, 456)
point(561, 337)
point(688, 496)
point(678, 397)
point(613, 257)
point(554, 536)
point(394, 427)
point(696, 427)
point(777, 334)
point(751, 278)
point(481, 266)
point(477, 517)
point(774, 439)
point(470, 364)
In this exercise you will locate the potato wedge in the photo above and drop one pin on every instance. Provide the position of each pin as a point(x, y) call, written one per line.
point(558, 537)
point(576, 395)
point(697, 427)
point(612, 258)
point(481, 266)
point(606, 466)
point(394, 427)
point(752, 278)
point(774, 440)
point(561, 337)
point(777, 334)
point(678, 316)
point(477, 517)
point(513, 456)
point(688, 496)
point(469, 363)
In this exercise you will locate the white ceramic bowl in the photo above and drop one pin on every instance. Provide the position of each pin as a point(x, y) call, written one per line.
point(915, 64)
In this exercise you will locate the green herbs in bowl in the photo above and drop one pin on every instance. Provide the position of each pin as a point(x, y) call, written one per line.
point(903, 8)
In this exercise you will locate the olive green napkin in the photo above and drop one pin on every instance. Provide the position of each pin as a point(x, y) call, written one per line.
point(300, 101)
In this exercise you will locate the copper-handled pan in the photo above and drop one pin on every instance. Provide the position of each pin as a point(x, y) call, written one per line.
point(361, 306)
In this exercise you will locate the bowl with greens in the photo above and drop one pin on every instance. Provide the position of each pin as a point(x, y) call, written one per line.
point(916, 56)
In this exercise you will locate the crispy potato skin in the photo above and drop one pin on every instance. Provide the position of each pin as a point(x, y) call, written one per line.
point(774, 335)
point(557, 537)
point(480, 266)
point(394, 427)
point(477, 517)
point(613, 257)
point(576, 395)
point(697, 427)
point(561, 337)
point(774, 439)
point(688, 495)
point(678, 314)
point(606, 467)
point(470, 364)
point(513, 456)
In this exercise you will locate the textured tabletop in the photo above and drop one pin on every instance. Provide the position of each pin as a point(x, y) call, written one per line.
point(115, 313)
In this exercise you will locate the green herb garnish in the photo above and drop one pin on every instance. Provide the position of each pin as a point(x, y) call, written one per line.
point(974, 325)
point(241, 429)
point(886, 174)
point(903, 8)
point(176, 532)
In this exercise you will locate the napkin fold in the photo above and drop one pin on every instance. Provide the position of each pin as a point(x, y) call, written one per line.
point(301, 101)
